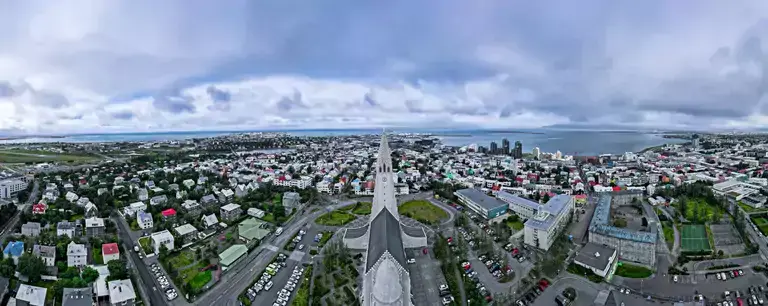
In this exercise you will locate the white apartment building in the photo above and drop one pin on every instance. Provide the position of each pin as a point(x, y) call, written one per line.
point(144, 220)
point(162, 238)
point(11, 187)
point(76, 255)
point(523, 207)
point(541, 229)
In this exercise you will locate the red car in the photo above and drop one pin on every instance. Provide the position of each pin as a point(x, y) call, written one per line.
point(515, 251)
point(450, 239)
point(425, 251)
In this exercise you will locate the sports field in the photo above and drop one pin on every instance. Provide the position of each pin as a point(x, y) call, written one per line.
point(694, 238)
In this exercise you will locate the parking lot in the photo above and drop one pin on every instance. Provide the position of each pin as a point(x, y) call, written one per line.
point(426, 278)
point(267, 289)
point(161, 279)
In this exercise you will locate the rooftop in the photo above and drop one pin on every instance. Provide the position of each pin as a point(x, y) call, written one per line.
point(548, 213)
point(600, 224)
point(31, 294)
point(595, 255)
point(77, 297)
point(121, 291)
point(185, 229)
point(110, 248)
point(233, 253)
point(480, 198)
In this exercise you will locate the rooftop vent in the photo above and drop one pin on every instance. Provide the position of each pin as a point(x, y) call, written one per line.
point(597, 254)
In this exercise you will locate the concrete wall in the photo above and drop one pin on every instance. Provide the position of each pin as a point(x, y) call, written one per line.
point(639, 252)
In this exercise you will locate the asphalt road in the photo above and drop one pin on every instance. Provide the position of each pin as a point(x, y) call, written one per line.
point(8, 227)
point(586, 291)
point(145, 279)
point(234, 282)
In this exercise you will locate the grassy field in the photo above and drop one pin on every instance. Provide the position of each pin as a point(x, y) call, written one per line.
point(30, 156)
point(516, 225)
point(694, 238)
point(364, 208)
point(182, 259)
point(762, 223)
point(422, 211)
point(632, 271)
point(699, 211)
point(200, 279)
point(326, 236)
point(97, 257)
point(669, 233)
point(749, 209)
point(335, 218)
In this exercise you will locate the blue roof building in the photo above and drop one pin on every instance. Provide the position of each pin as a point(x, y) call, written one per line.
point(632, 245)
point(14, 249)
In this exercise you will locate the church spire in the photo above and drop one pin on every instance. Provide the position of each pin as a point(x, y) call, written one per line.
point(384, 190)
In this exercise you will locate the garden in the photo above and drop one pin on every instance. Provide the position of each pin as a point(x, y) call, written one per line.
point(698, 210)
point(632, 271)
point(335, 218)
point(335, 280)
point(422, 211)
point(761, 221)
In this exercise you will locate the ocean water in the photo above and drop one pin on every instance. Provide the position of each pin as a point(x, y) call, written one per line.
point(567, 142)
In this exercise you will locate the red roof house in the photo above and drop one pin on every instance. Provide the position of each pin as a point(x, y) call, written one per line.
point(616, 188)
point(110, 251)
point(39, 208)
point(170, 212)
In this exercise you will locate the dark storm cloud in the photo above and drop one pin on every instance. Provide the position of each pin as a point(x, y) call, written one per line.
point(123, 115)
point(288, 103)
point(218, 95)
point(175, 105)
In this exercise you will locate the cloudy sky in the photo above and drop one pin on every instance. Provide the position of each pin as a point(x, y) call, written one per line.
point(111, 66)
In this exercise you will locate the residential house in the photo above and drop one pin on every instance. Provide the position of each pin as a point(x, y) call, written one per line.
point(186, 232)
point(46, 253)
point(192, 208)
point(189, 183)
point(71, 197)
point(157, 200)
point(291, 200)
point(162, 238)
point(202, 180)
point(70, 229)
point(168, 214)
point(39, 209)
point(252, 229)
point(255, 212)
point(30, 229)
point(209, 201)
point(241, 191)
point(121, 292)
point(14, 250)
point(173, 187)
point(77, 297)
point(144, 219)
point(69, 187)
point(135, 207)
point(91, 210)
point(101, 191)
point(226, 196)
point(230, 212)
point(77, 255)
point(149, 184)
point(94, 227)
point(82, 201)
point(32, 295)
point(143, 194)
point(210, 220)
point(110, 251)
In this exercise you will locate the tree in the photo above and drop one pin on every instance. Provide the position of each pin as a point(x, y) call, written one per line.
point(117, 269)
point(31, 266)
point(71, 272)
point(90, 275)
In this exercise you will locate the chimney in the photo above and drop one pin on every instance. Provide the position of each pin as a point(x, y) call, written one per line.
point(597, 254)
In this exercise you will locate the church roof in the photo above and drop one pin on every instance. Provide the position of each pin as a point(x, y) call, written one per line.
point(385, 236)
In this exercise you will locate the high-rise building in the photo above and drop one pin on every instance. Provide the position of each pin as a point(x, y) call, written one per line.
point(536, 152)
point(505, 146)
point(518, 152)
point(494, 148)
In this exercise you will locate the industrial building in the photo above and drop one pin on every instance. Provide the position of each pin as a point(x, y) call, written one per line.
point(632, 245)
point(482, 204)
point(548, 222)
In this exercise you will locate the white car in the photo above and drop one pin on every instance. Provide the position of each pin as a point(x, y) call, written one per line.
point(674, 278)
point(443, 287)
point(719, 277)
point(411, 261)
point(268, 286)
point(301, 247)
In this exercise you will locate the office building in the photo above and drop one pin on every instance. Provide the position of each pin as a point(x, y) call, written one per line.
point(486, 206)
point(518, 151)
point(631, 245)
point(505, 146)
point(522, 207)
point(494, 147)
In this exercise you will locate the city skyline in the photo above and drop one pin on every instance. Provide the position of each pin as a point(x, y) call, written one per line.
point(87, 67)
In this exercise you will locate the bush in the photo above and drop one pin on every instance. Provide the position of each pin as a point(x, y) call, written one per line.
point(632, 271)
point(312, 252)
point(579, 270)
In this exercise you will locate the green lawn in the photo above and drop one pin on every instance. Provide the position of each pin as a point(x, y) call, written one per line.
point(200, 280)
point(749, 209)
point(422, 211)
point(98, 259)
point(146, 244)
point(326, 236)
point(762, 223)
point(669, 233)
point(182, 259)
point(335, 218)
point(516, 225)
point(632, 271)
point(364, 208)
point(28, 156)
point(269, 217)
